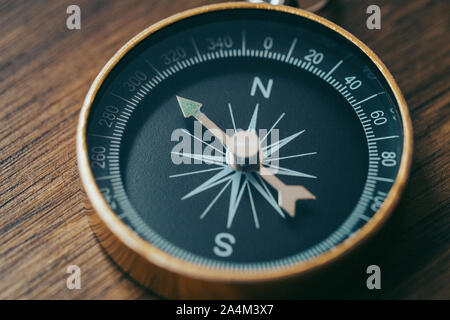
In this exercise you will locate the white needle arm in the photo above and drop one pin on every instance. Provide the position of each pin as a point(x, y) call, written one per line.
point(192, 109)
point(287, 194)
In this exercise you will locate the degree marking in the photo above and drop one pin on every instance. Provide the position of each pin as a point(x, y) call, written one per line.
point(291, 49)
point(194, 44)
point(334, 68)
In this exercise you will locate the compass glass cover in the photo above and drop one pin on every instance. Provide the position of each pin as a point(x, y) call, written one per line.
point(323, 115)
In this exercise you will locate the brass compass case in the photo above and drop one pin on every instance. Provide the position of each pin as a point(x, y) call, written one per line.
point(172, 277)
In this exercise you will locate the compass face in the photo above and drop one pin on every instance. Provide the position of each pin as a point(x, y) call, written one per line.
point(198, 131)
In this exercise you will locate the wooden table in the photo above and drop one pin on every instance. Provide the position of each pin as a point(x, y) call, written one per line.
point(46, 70)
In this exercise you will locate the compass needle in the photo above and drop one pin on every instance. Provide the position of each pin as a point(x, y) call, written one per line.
point(203, 141)
point(191, 108)
point(287, 194)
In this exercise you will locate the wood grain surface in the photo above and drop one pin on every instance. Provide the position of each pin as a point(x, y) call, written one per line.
point(46, 70)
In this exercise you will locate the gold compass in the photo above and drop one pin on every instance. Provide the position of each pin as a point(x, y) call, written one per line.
point(229, 150)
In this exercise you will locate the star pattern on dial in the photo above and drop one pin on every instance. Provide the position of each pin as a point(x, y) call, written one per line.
point(242, 182)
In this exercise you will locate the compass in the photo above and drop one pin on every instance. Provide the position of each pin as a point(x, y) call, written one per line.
point(229, 149)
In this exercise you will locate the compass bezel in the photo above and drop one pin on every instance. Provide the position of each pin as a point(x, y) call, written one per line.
point(167, 274)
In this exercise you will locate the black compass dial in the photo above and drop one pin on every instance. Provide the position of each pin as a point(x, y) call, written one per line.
point(245, 139)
